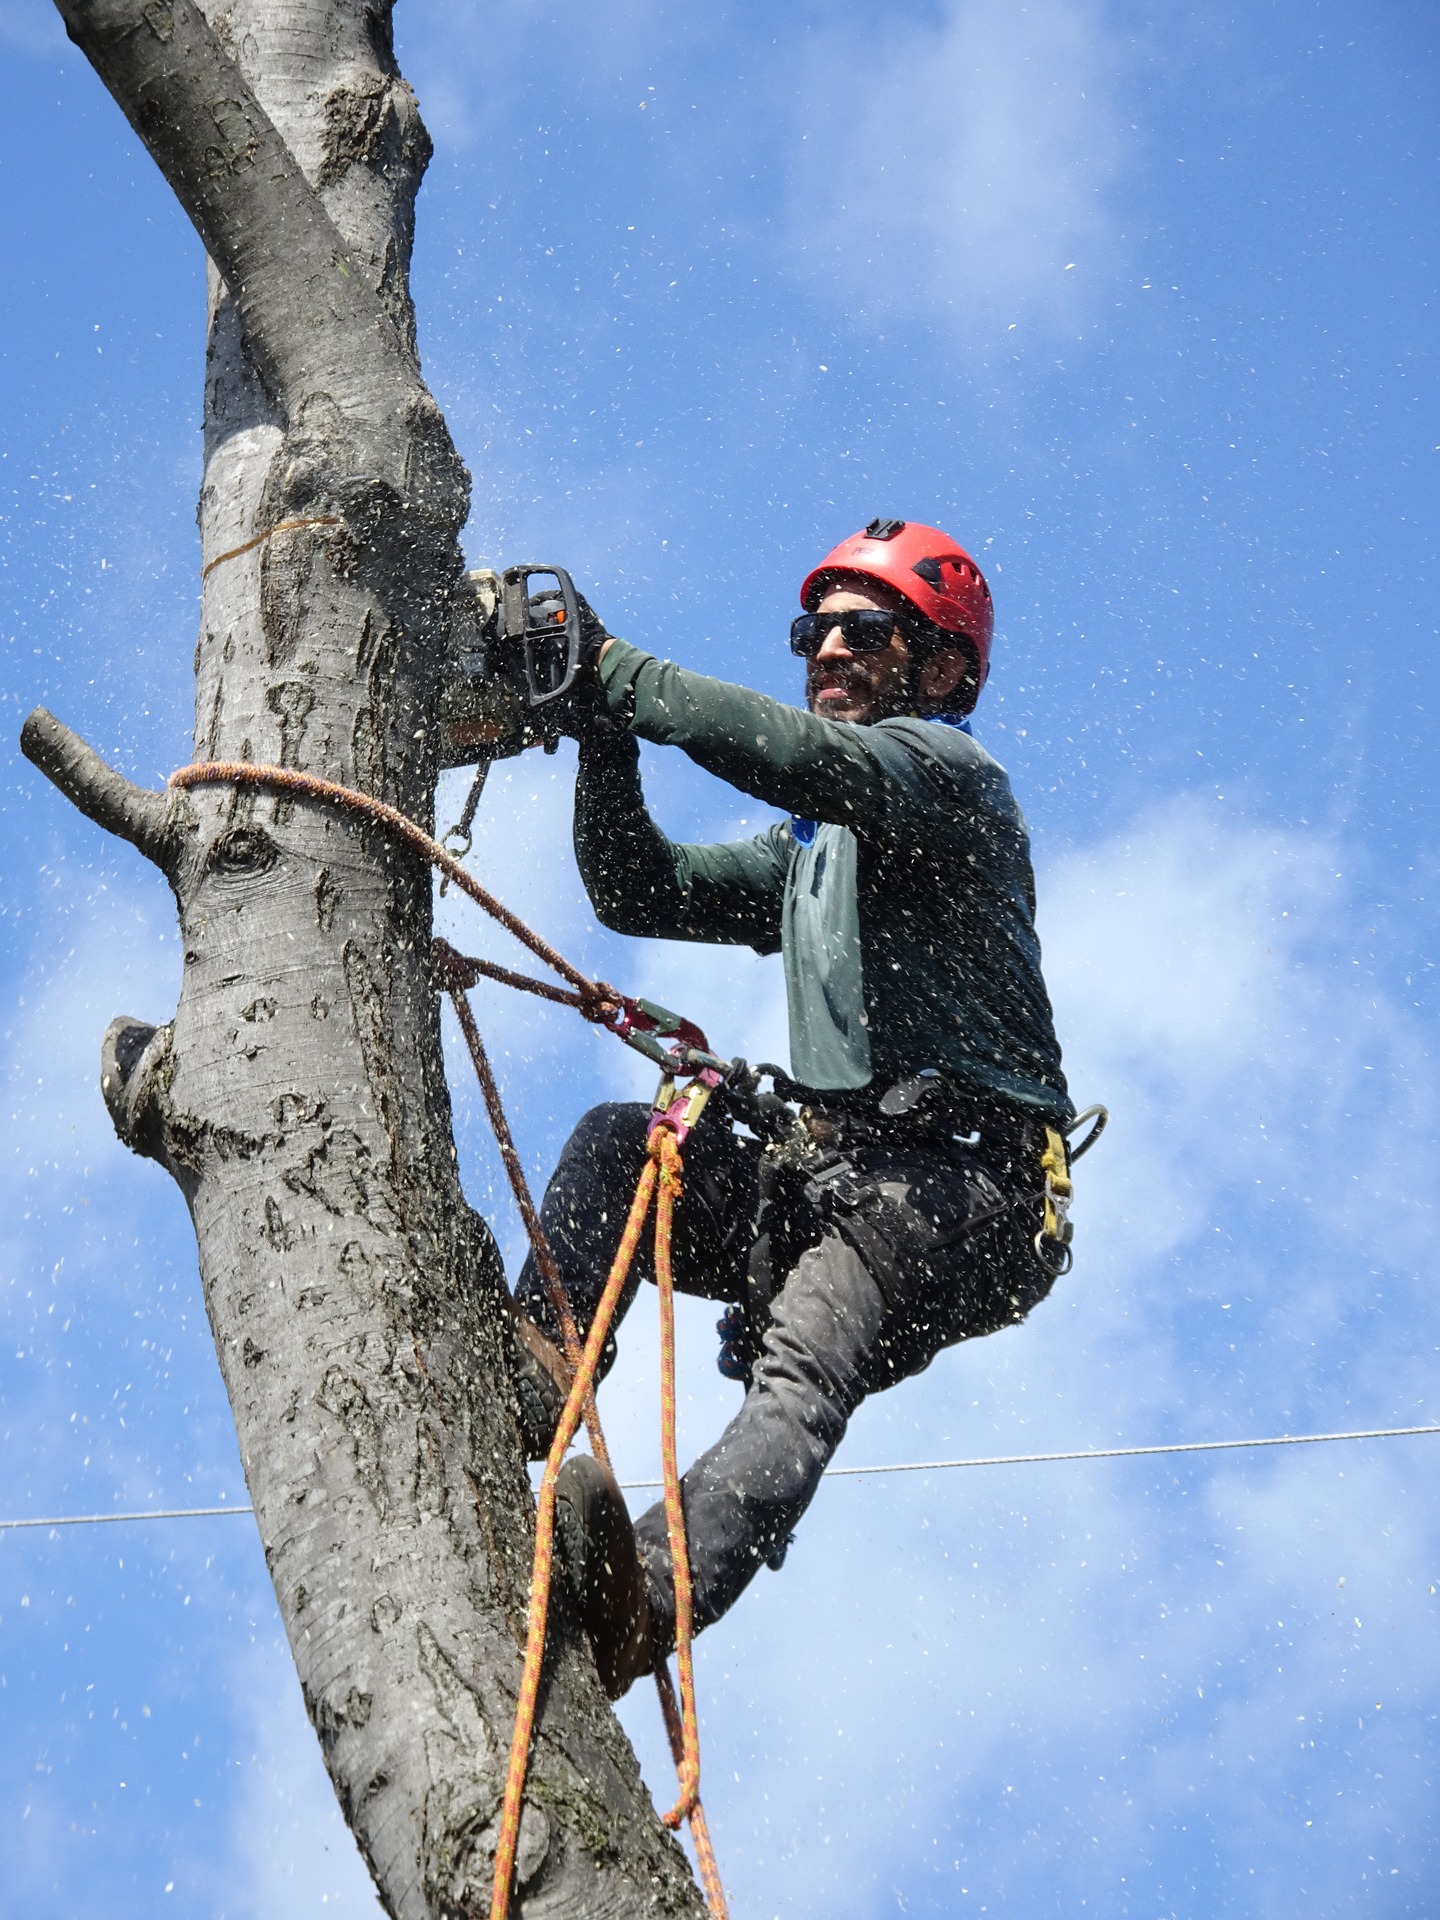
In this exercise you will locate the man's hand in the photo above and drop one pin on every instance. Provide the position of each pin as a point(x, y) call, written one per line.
point(581, 713)
point(593, 637)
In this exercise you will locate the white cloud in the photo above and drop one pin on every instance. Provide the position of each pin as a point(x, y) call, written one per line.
point(1265, 1096)
point(964, 163)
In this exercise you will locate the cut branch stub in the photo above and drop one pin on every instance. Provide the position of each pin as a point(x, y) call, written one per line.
point(133, 1059)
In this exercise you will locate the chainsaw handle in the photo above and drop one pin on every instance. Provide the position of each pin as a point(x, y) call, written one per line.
point(549, 648)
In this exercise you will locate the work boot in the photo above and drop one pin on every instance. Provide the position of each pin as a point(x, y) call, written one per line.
point(542, 1385)
point(603, 1570)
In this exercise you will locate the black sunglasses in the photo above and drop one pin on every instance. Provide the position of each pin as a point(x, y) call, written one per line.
point(863, 629)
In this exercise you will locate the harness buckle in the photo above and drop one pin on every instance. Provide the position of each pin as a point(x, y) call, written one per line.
point(1052, 1242)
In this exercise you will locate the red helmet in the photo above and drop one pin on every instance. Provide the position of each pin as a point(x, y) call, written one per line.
point(938, 578)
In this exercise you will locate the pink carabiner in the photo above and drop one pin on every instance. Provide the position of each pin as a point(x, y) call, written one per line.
point(684, 1108)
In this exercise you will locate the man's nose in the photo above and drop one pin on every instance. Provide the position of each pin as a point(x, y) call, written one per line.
point(832, 644)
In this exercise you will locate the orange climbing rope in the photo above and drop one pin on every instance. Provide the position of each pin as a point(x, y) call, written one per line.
point(669, 1151)
point(661, 1171)
point(681, 1724)
point(699, 1826)
point(638, 1023)
point(582, 1387)
point(681, 1720)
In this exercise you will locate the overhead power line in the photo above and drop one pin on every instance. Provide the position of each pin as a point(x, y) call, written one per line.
point(833, 1473)
point(1104, 1453)
point(115, 1519)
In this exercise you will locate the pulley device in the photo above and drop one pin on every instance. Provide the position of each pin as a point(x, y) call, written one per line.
point(518, 653)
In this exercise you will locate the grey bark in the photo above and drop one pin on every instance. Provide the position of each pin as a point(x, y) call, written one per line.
point(298, 1097)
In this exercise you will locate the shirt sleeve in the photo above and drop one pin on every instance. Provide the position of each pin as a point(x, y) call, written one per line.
point(642, 883)
point(791, 759)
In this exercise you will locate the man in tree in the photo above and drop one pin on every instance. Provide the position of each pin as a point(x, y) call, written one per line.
point(904, 1211)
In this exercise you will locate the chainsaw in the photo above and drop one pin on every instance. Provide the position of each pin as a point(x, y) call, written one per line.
point(517, 656)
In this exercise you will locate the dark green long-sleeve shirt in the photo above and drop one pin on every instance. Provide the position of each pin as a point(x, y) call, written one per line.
point(907, 927)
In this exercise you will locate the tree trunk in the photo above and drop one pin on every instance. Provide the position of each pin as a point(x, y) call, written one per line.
point(298, 1097)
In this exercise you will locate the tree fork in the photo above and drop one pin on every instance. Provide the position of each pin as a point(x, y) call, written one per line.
point(298, 1096)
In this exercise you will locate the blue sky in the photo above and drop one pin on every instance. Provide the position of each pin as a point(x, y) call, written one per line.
point(1143, 308)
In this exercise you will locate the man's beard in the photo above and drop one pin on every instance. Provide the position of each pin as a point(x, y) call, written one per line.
point(894, 699)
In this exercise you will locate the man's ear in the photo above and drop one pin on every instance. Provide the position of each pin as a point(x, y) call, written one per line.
point(949, 682)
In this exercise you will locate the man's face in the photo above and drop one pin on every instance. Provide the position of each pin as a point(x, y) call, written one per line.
point(858, 687)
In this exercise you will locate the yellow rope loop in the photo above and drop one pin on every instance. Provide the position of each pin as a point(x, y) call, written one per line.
point(268, 533)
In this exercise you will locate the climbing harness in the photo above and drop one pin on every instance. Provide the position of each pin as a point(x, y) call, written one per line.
point(818, 1148)
point(645, 1026)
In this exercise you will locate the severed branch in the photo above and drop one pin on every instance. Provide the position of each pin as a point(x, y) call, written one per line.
point(136, 814)
point(313, 323)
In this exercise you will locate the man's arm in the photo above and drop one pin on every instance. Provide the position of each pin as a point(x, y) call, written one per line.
point(780, 754)
point(642, 883)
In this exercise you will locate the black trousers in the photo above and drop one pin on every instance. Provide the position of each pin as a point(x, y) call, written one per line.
point(850, 1279)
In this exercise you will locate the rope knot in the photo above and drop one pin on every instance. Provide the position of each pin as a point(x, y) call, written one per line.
point(599, 1003)
point(664, 1148)
point(454, 972)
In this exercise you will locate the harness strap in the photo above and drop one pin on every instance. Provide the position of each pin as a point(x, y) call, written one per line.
point(1057, 1230)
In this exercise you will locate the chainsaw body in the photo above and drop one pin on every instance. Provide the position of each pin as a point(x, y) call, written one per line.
point(517, 652)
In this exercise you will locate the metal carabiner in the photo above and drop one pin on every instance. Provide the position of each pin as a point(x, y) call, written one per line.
point(678, 1110)
point(461, 829)
point(1101, 1116)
